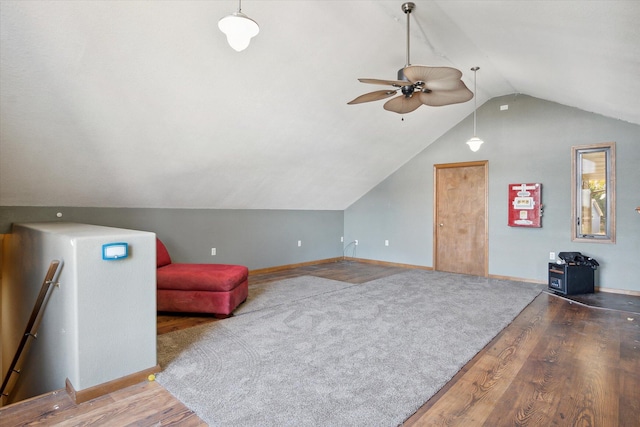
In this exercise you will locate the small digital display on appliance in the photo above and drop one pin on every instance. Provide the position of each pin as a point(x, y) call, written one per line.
point(115, 251)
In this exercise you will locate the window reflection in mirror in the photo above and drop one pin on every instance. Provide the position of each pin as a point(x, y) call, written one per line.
point(593, 193)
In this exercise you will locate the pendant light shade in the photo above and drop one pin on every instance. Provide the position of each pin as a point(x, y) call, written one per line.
point(474, 143)
point(239, 29)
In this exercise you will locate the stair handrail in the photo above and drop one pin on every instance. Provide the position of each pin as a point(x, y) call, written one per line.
point(50, 279)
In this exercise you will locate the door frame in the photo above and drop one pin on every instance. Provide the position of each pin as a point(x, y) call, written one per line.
point(436, 167)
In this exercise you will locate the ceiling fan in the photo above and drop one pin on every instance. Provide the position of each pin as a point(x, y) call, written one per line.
point(418, 84)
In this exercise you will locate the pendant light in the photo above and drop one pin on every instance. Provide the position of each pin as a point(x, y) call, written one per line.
point(475, 142)
point(239, 29)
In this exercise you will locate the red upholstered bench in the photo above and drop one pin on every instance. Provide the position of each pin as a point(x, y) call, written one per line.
point(199, 288)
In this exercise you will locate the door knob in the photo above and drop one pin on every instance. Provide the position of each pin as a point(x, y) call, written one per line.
point(441, 224)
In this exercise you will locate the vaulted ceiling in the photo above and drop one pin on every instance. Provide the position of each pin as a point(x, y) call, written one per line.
point(143, 104)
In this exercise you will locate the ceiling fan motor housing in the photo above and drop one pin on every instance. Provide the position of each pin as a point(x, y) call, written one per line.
point(408, 90)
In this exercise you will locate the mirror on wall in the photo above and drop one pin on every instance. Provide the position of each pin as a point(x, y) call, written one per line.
point(593, 193)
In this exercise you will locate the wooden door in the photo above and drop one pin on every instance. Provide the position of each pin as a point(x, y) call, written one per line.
point(460, 213)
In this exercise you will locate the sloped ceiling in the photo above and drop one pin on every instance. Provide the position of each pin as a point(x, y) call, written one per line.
point(143, 104)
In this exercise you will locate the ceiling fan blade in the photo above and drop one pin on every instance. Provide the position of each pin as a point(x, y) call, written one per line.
point(439, 98)
point(373, 96)
point(445, 84)
point(422, 73)
point(401, 104)
point(394, 83)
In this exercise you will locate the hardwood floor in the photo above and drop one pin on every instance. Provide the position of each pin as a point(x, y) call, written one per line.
point(144, 404)
point(558, 363)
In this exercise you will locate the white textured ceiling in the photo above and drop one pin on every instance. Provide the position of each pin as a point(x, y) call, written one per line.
point(143, 104)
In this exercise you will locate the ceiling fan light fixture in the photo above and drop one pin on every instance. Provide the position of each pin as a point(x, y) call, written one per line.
point(474, 143)
point(239, 29)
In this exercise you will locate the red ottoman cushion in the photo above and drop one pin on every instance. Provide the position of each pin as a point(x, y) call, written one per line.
point(201, 277)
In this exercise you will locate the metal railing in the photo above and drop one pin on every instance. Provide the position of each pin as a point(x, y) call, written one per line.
point(31, 329)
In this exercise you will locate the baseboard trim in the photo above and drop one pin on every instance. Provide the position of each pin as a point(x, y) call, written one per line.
point(517, 279)
point(618, 291)
point(90, 393)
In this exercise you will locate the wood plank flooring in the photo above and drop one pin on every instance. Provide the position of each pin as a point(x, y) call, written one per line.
point(558, 363)
point(144, 404)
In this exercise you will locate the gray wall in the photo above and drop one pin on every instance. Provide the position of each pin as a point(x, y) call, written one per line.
point(255, 238)
point(529, 142)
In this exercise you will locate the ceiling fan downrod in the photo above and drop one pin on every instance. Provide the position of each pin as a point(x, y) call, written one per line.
point(409, 89)
point(407, 8)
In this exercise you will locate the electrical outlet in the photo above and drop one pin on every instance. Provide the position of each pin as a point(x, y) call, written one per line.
point(386, 243)
point(299, 243)
point(552, 256)
point(213, 251)
point(356, 242)
point(342, 239)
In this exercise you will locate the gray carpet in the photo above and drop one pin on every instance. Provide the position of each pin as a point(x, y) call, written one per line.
point(336, 354)
point(288, 291)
